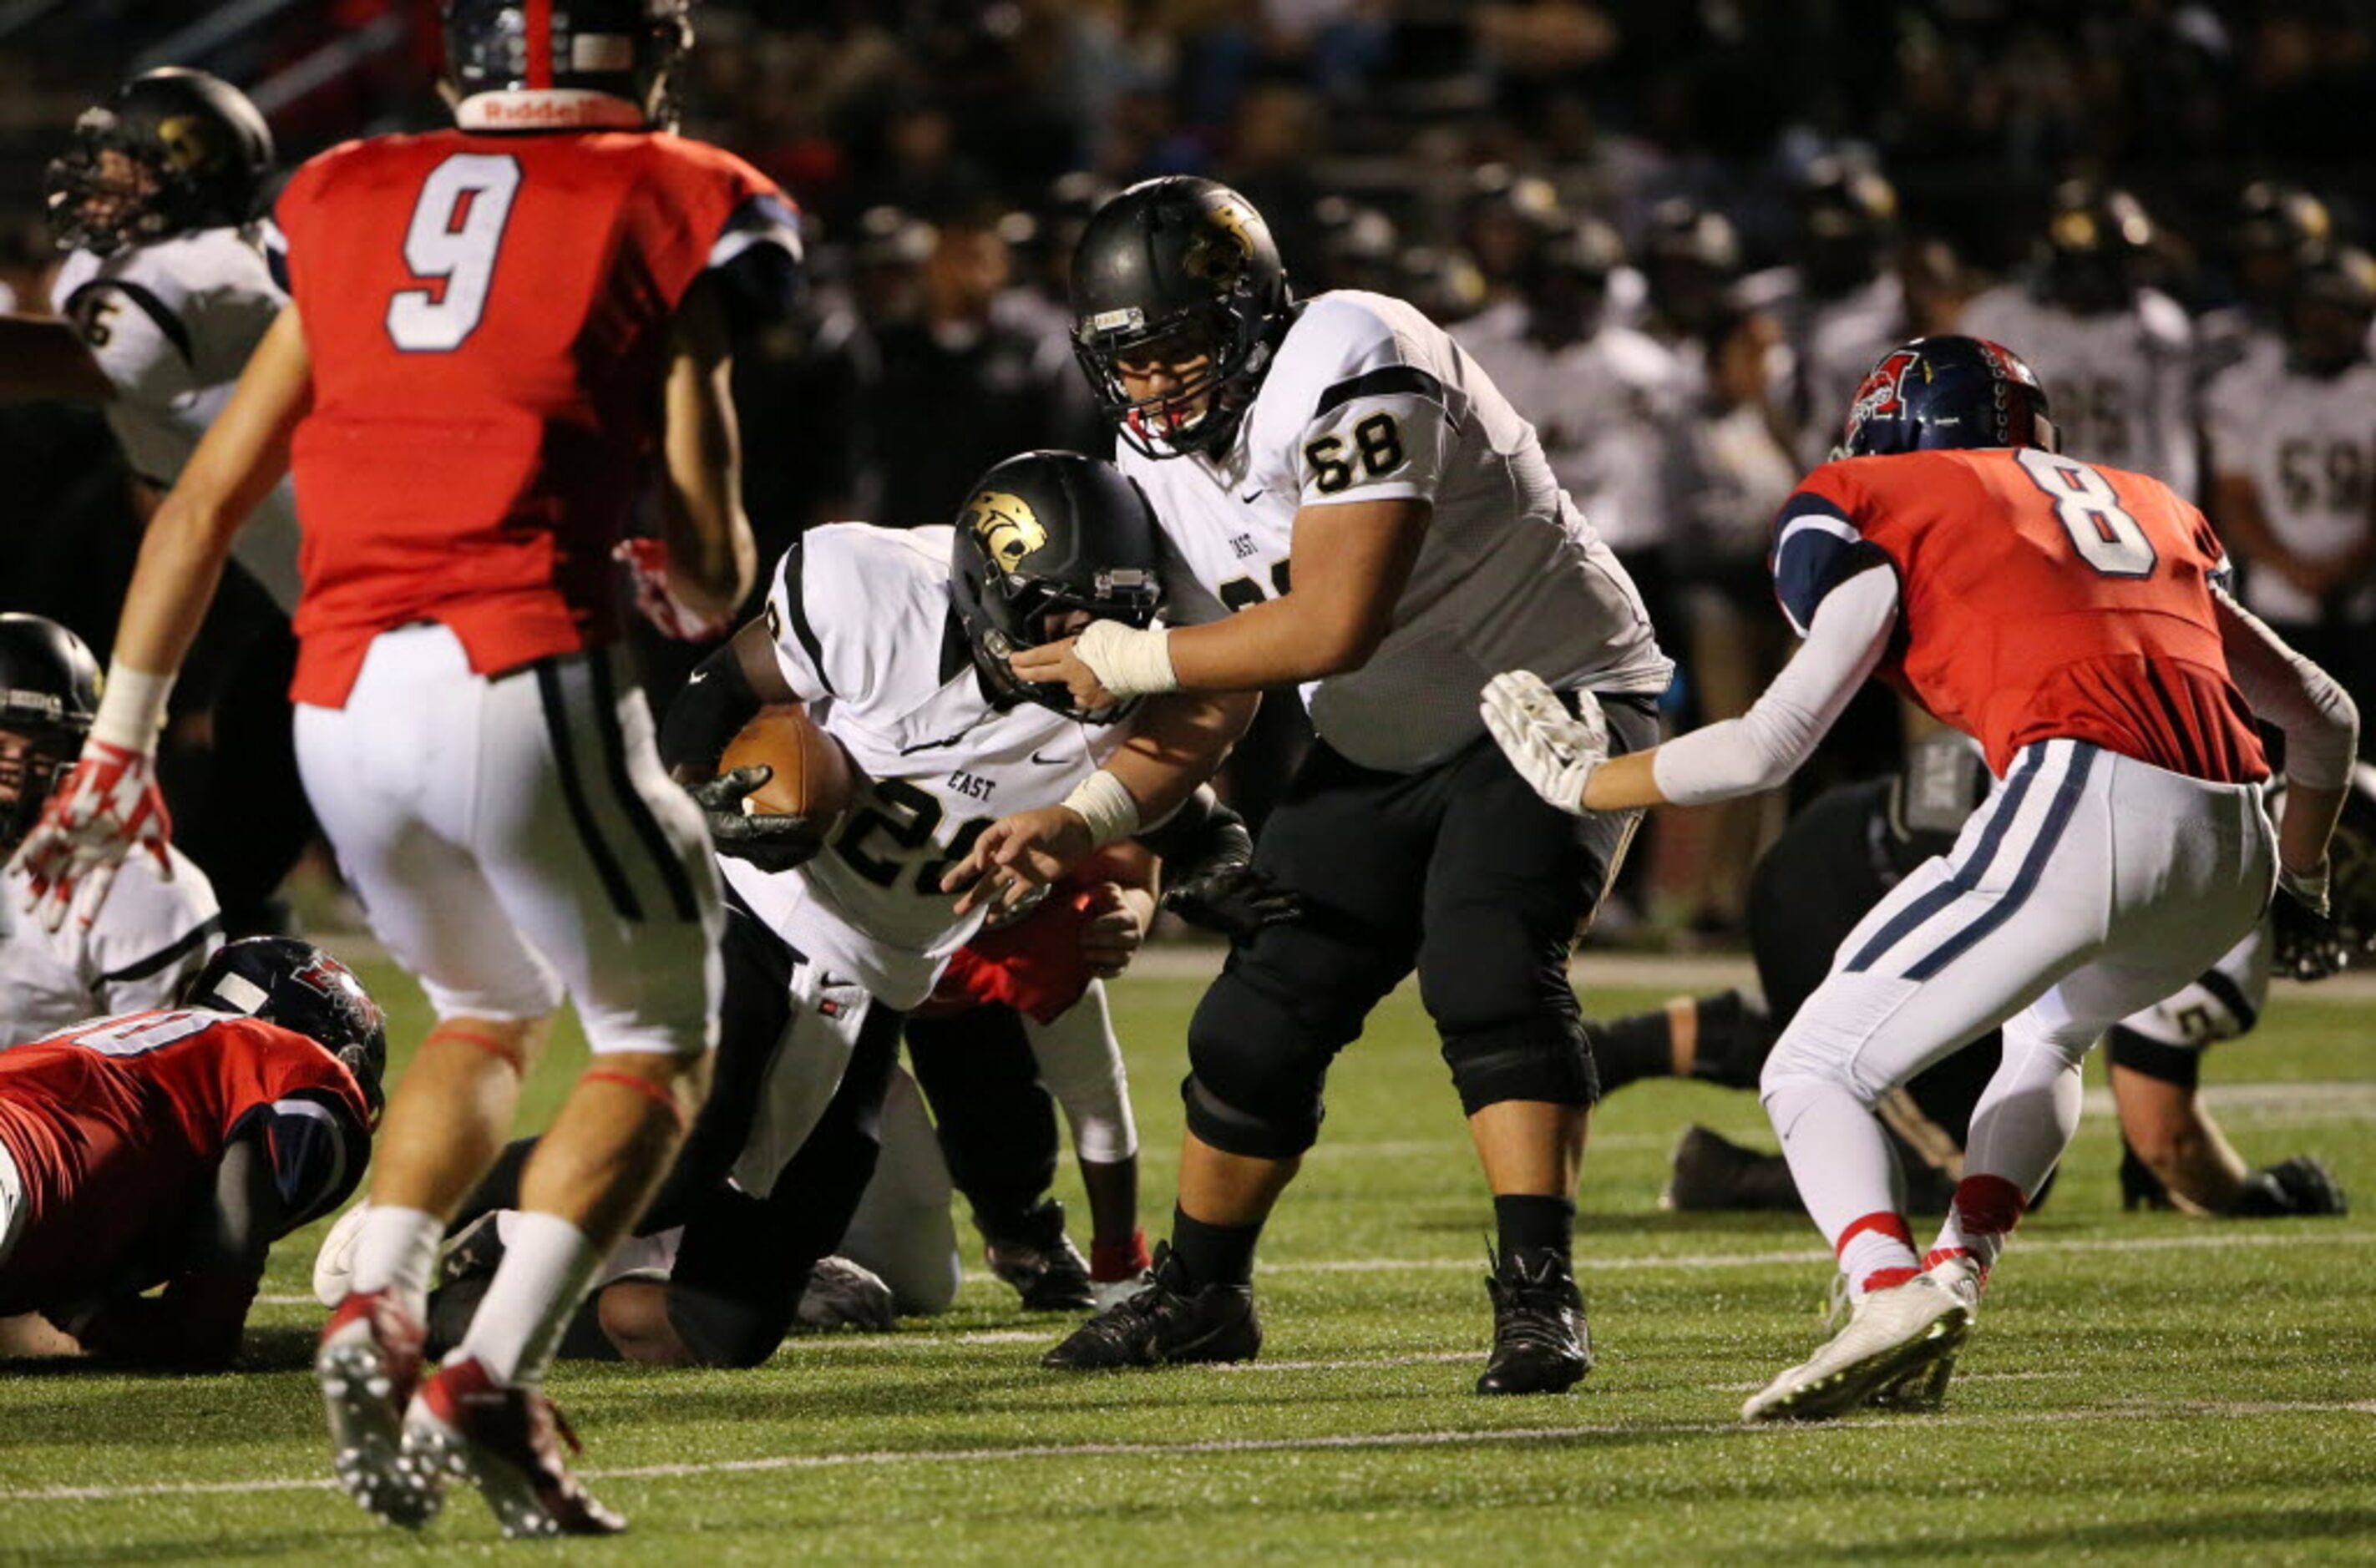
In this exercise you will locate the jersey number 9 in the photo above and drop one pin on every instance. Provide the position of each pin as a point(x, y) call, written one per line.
point(456, 230)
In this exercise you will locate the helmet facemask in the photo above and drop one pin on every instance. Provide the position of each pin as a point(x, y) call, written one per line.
point(1197, 415)
point(1020, 613)
point(105, 193)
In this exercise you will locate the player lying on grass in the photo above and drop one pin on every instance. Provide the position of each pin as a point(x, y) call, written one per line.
point(173, 1147)
point(2073, 621)
point(147, 941)
point(898, 641)
point(1838, 857)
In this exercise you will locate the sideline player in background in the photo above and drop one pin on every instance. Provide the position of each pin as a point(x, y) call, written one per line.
point(153, 931)
point(2071, 620)
point(1350, 504)
point(172, 276)
point(492, 331)
point(174, 1147)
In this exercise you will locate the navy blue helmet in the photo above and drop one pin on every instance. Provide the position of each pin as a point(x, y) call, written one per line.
point(298, 986)
point(1938, 393)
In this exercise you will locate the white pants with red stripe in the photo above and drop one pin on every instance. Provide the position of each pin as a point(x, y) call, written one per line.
point(2087, 887)
point(515, 839)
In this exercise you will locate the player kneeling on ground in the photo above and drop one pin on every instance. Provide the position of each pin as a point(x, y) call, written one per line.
point(898, 642)
point(2072, 620)
point(1840, 857)
point(174, 1147)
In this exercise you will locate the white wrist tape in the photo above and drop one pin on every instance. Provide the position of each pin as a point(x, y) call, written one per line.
point(1101, 800)
point(1126, 663)
point(131, 708)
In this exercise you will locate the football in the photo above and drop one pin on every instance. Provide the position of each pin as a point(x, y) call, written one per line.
point(813, 776)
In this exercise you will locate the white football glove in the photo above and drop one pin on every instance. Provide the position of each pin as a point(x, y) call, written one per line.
point(1554, 749)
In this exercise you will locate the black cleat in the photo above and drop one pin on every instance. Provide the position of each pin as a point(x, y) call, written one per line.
point(1042, 1263)
point(1165, 1323)
point(1541, 1344)
point(1713, 1173)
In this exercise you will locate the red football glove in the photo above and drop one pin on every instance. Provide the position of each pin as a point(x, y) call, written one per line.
point(108, 805)
point(646, 561)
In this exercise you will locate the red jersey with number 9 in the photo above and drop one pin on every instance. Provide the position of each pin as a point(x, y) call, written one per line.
point(487, 317)
point(2040, 597)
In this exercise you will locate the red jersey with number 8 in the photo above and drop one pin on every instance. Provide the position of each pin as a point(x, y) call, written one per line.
point(2042, 597)
point(488, 316)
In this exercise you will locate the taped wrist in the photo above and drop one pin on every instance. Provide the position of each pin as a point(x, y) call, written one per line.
point(711, 711)
point(131, 708)
point(1126, 663)
point(1106, 804)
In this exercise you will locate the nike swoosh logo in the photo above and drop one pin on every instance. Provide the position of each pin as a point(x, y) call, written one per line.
point(1250, 497)
point(1051, 761)
point(696, 678)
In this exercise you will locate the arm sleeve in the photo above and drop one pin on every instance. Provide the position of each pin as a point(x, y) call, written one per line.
point(1763, 746)
point(314, 1153)
point(1816, 547)
point(2320, 725)
point(709, 713)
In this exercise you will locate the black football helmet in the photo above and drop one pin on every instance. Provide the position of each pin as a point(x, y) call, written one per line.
point(48, 693)
point(2310, 948)
point(298, 986)
point(1846, 213)
point(1041, 534)
point(513, 65)
point(1945, 392)
point(199, 156)
point(2098, 240)
point(1186, 264)
point(2334, 305)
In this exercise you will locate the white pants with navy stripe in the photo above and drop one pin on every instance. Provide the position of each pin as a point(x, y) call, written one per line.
point(2087, 887)
point(515, 838)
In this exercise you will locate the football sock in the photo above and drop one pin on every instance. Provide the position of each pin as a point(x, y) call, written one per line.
point(1213, 1254)
point(1985, 1211)
point(1625, 1050)
point(1529, 1222)
point(548, 1263)
point(1876, 1252)
point(1112, 1261)
point(1841, 1163)
point(2023, 1123)
point(397, 1251)
point(1730, 1038)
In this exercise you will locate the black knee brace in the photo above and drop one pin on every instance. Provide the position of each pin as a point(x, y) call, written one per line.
point(2176, 1065)
point(1537, 1059)
point(1282, 1120)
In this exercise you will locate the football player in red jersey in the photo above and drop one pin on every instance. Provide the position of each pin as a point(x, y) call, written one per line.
point(2074, 621)
point(495, 334)
point(174, 1147)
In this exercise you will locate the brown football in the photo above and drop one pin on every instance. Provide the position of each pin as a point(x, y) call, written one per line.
point(812, 774)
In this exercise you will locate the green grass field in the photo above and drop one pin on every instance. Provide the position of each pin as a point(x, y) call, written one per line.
point(2139, 1387)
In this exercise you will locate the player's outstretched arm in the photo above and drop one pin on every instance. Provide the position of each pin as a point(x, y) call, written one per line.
point(711, 555)
point(1175, 745)
point(1350, 560)
point(1565, 757)
point(2322, 730)
point(42, 357)
point(110, 801)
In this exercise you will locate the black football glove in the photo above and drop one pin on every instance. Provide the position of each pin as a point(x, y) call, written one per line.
point(1233, 899)
point(2298, 1186)
point(774, 841)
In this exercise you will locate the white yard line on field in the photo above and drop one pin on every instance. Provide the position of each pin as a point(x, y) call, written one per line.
point(2127, 1410)
point(2220, 1238)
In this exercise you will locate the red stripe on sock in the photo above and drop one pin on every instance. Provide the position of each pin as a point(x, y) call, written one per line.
point(654, 1092)
point(1886, 1223)
point(1988, 1204)
point(506, 1052)
point(1884, 1278)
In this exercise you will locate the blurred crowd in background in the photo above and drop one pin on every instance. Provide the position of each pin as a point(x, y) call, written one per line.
point(1677, 232)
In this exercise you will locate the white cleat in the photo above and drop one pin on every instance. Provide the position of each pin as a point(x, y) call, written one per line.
point(1893, 1338)
point(1923, 1390)
point(334, 1266)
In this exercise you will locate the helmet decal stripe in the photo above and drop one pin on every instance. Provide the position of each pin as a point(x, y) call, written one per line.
point(540, 44)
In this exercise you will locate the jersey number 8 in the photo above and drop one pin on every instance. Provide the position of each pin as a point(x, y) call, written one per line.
point(2089, 509)
point(457, 227)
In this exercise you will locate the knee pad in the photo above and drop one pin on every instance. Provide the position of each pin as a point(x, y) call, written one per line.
point(1283, 1126)
point(1534, 1059)
point(2177, 1065)
point(728, 1331)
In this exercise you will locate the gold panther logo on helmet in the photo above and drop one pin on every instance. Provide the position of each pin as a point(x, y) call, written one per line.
point(1006, 528)
point(185, 139)
point(1222, 254)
